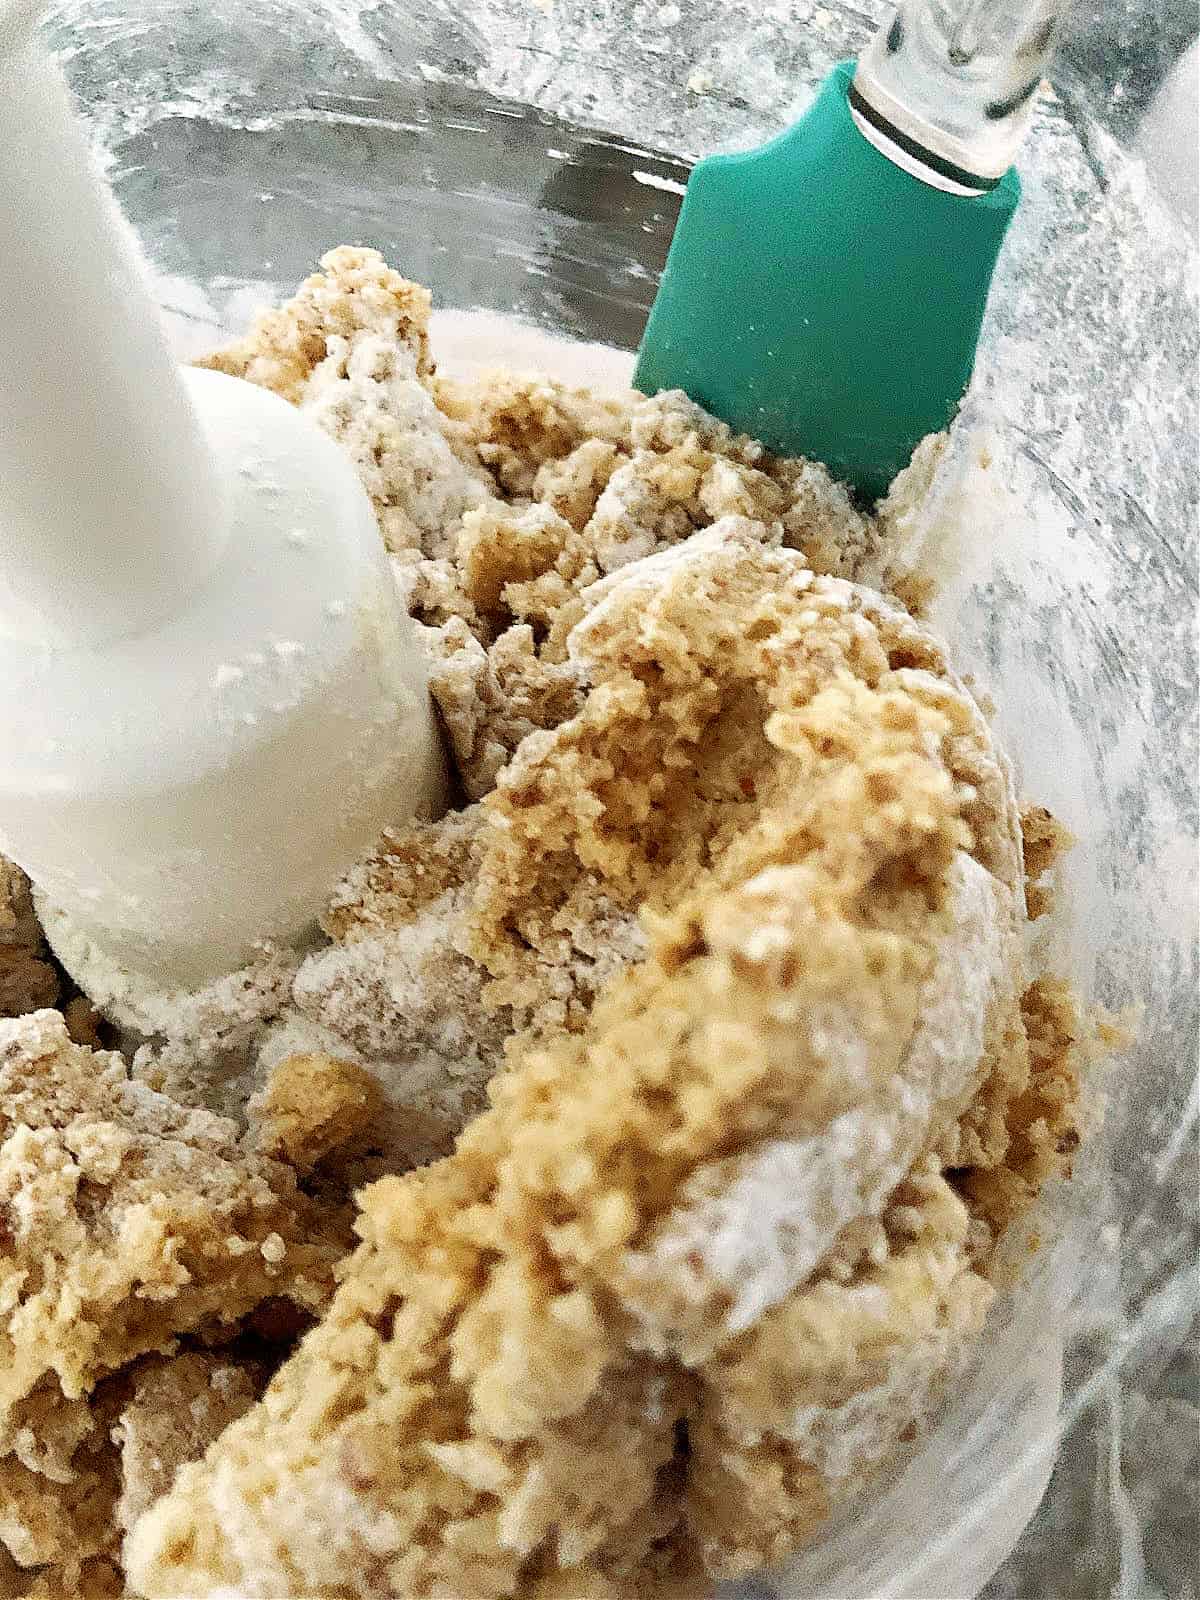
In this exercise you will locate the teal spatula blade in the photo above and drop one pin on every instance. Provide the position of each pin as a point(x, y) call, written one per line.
point(823, 300)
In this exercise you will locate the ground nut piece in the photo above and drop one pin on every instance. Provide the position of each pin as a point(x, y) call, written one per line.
point(368, 398)
point(467, 692)
point(45, 1431)
point(816, 513)
point(729, 490)
point(65, 1516)
point(653, 1557)
point(655, 500)
point(310, 1106)
point(398, 992)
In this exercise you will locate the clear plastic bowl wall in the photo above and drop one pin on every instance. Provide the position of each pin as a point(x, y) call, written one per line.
point(527, 158)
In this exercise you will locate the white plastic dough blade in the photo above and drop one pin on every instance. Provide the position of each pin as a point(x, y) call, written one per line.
point(211, 699)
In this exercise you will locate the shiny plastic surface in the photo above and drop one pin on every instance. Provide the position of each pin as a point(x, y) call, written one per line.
point(860, 294)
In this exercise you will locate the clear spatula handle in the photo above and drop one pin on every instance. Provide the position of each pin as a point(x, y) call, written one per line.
point(957, 79)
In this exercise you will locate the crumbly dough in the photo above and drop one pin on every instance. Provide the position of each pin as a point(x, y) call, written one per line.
point(313, 1105)
point(687, 1074)
point(27, 980)
point(130, 1221)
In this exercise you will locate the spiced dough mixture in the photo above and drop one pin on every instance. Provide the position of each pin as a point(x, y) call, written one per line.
point(616, 1186)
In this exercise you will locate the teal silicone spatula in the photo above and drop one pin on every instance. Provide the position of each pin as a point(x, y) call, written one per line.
point(824, 293)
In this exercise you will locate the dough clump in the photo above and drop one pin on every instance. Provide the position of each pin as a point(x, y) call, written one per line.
point(680, 1084)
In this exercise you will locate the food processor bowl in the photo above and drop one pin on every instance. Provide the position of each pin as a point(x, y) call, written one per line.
point(526, 157)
